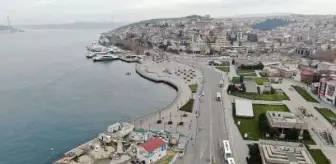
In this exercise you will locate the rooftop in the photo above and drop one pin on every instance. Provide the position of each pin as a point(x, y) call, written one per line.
point(153, 144)
point(244, 108)
point(274, 152)
point(285, 120)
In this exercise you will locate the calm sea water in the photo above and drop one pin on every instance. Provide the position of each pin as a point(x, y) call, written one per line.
point(52, 98)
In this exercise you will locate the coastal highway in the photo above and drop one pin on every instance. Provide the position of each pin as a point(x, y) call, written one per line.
point(211, 125)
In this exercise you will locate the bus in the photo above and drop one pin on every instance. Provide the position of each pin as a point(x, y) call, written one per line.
point(218, 98)
point(230, 160)
point(226, 150)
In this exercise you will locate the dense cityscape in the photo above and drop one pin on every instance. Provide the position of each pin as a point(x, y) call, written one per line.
point(249, 90)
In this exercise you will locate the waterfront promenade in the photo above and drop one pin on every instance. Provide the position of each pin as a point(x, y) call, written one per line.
point(157, 72)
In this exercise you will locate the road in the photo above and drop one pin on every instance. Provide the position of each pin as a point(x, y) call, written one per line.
point(211, 124)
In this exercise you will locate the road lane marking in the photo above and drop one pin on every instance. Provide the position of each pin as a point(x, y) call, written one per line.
point(210, 126)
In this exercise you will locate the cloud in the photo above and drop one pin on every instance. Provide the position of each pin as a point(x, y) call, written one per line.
point(61, 11)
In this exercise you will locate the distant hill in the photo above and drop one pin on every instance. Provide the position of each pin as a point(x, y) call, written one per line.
point(158, 20)
point(76, 25)
point(270, 24)
point(260, 15)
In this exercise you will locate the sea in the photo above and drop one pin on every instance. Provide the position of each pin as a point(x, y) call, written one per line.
point(53, 99)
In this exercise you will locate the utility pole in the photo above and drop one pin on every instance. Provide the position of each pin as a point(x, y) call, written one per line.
point(9, 27)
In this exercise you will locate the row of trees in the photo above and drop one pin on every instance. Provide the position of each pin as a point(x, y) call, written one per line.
point(258, 66)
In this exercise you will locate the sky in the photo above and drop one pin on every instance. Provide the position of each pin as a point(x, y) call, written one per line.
point(67, 11)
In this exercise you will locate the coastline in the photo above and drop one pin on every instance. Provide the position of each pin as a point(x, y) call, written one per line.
point(182, 97)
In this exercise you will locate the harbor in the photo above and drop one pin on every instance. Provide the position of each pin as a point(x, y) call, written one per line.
point(126, 142)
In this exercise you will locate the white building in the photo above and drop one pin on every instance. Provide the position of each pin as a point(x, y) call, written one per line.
point(324, 66)
point(244, 108)
point(275, 152)
point(152, 150)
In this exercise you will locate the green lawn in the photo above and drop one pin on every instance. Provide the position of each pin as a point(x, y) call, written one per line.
point(225, 63)
point(224, 69)
point(260, 80)
point(245, 71)
point(251, 125)
point(188, 107)
point(247, 74)
point(304, 94)
point(235, 80)
point(193, 88)
point(327, 114)
point(167, 158)
point(277, 96)
point(319, 156)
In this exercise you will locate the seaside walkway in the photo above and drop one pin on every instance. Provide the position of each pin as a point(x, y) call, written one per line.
point(156, 72)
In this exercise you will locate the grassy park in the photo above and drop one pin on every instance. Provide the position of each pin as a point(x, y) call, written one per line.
point(245, 71)
point(318, 156)
point(188, 107)
point(258, 80)
point(304, 94)
point(327, 114)
point(247, 74)
point(251, 125)
point(223, 68)
point(277, 96)
point(225, 63)
point(261, 80)
point(193, 88)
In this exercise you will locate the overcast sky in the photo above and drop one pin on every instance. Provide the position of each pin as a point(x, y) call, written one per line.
point(65, 11)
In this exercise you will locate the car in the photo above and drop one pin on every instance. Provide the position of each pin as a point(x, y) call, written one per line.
point(202, 93)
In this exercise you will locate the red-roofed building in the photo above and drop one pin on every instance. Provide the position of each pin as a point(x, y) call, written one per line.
point(152, 150)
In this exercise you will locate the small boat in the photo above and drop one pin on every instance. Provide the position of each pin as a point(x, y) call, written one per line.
point(128, 73)
point(105, 57)
point(91, 55)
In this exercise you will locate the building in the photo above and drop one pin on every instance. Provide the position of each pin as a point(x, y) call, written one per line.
point(326, 91)
point(307, 75)
point(244, 108)
point(276, 152)
point(326, 66)
point(267, 87)
point(152, 150)
point(251, 87)
point(285, 120)
point(284, 71)
point(271, 72)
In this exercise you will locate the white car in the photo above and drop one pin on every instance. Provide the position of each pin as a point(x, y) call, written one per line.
point(202, 93)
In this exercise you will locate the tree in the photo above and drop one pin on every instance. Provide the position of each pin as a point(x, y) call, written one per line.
point(241, 78)
point(258, 88)
point(254, 154)
point(233, 62)
point(263, 124)
point(272, 90)
point(243, 88)
point(292, 134)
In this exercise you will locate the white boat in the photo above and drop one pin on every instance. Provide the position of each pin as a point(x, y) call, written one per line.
point(105, 57)
point(91, 55)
